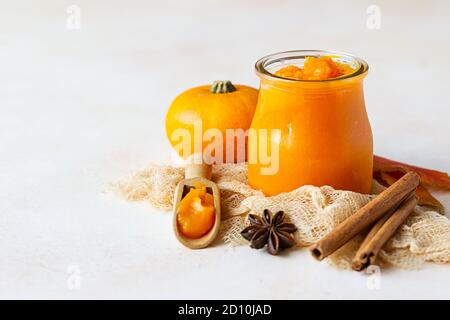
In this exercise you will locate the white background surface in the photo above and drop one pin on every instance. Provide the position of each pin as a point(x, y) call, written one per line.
point(81, 108)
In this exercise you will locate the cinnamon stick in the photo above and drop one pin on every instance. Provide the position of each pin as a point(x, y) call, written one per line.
point(366, 216)
point(381, 232)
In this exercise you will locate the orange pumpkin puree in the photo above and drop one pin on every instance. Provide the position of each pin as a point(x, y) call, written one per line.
point(196, 213)
point(321, 68)
point(324, 135)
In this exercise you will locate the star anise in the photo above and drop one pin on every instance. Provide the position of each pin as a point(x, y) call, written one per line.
point(270, 230)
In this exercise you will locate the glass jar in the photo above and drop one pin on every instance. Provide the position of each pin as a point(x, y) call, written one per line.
point(323, 132)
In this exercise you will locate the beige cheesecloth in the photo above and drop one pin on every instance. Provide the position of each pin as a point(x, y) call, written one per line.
point(425, 236)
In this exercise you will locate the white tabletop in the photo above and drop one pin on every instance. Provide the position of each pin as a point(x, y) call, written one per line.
point(83, 107)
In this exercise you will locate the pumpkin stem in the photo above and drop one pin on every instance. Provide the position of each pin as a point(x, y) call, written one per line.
point(222, 86)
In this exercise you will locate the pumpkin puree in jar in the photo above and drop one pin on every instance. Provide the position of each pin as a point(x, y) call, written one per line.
point(196, 213)
point(318, 122)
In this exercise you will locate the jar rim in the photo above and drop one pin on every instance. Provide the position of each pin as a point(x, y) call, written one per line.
point(262, 64)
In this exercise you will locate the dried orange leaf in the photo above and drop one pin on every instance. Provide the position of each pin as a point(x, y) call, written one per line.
point(425, 197)
point(428, 177)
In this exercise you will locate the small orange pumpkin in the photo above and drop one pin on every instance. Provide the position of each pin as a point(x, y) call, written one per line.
point(220, 106)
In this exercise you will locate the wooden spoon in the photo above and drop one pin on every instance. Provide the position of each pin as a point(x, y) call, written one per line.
point(197, 173)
